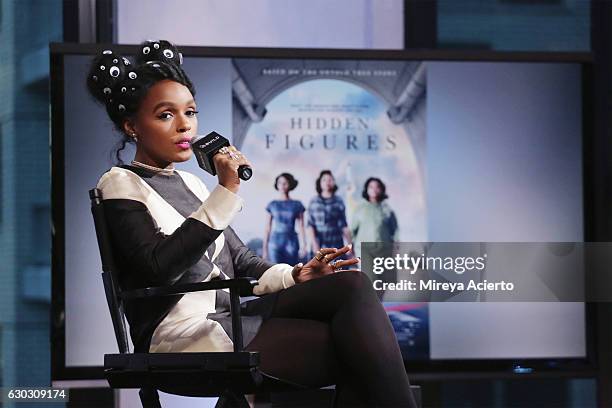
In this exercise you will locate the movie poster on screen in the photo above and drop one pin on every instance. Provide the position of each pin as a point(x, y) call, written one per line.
point(358, 119)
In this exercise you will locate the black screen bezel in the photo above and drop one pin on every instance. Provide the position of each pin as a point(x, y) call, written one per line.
point(431, 369)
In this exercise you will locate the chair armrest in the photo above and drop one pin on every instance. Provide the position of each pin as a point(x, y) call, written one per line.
point(244, 286)
point(237, 287)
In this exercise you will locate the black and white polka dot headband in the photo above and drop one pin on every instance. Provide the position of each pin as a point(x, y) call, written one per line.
point(160, 50)
point(113, 77)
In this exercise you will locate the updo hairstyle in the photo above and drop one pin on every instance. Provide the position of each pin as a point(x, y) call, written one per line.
point(121, 86)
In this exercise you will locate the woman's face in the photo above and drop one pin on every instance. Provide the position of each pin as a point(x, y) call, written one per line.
point(327, 182)
point(282, 184)
point(374, 190)
point(165, 123)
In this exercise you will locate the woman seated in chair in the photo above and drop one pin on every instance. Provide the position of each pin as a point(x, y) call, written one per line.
point(314, 324)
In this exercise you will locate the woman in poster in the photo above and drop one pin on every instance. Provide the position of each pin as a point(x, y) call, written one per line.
point(281, 243)
point(327, 225)
point(373, 219)
point(313, 322)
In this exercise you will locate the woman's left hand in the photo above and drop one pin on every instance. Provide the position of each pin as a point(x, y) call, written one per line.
point(323, 264)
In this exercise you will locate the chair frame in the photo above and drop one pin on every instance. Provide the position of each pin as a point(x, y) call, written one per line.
point(227, 375)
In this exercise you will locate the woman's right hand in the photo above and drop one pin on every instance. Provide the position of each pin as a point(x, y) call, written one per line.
point(227, 165)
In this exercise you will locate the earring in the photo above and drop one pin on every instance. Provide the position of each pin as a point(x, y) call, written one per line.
point(135, 137)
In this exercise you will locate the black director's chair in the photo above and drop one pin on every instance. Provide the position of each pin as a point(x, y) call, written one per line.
point(227, 375)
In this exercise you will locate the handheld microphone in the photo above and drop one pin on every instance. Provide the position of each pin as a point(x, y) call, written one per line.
point(207, 146)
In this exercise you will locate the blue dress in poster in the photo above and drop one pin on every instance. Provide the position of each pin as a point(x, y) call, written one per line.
point(328, 218)
point(283, 245)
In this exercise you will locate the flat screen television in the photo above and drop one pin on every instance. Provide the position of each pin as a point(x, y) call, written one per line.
point(471, 147)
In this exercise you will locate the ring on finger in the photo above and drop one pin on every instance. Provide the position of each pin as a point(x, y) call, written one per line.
point(319, 256)
point(326, 259)
point(233, 155)
point(334, 265)
point(224, 150)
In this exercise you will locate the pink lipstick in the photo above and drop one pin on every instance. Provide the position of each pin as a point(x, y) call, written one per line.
point(184, 143)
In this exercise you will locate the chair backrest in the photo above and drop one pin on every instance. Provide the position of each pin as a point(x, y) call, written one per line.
point(109, 271)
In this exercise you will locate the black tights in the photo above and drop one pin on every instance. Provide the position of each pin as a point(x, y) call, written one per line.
point(334, 330)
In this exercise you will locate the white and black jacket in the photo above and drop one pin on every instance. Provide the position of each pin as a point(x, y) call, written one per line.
point(154, 245)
